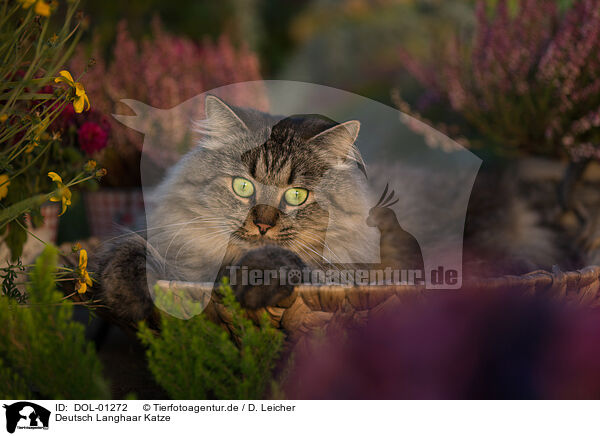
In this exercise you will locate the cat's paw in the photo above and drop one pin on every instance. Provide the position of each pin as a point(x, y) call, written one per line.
point(124, 275)
point(265, 276)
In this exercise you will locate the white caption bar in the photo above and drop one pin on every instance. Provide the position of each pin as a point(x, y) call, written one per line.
point(299, 417)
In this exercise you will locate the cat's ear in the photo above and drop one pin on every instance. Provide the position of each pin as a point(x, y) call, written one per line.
point(337, 143)
point(347, 132)
point(220, 118)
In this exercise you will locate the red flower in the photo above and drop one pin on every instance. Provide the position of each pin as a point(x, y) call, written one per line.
point(92, 137)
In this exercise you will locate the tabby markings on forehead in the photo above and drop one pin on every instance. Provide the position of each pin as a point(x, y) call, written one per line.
point(271, 169)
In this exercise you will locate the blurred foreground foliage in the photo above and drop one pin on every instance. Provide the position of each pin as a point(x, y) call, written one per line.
point(43, 352)
point(197, 359)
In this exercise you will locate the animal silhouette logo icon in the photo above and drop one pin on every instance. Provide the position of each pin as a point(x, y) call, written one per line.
point(26, 415)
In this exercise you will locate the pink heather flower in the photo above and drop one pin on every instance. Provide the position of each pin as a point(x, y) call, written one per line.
point(92, 137)
point(527, 79)
point(163, 71)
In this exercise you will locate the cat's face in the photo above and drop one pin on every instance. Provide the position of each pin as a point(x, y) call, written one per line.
point(265, 181)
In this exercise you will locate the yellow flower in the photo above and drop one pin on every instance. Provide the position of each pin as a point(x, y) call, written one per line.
point(42, 8)
point(4, 182)
point(90, 166)
point(84, 278)
point(3, 118)
point(64, 193)
point(81, 101)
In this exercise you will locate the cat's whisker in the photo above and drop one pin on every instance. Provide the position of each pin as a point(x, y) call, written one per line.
point(217, 231)
point(292, 245)
point(310, 256)
point(205, 237)
point(316, 238)
point(166, 226)
point(298, 241)
point(192, 221)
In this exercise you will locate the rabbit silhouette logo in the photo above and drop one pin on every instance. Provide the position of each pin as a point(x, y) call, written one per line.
point(26, 415)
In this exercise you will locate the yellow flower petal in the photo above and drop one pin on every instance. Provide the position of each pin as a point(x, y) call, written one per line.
point(42, 8)
point(55, 177)
point(83, 259)
point(66, 77)
point(78, 104)
point(3, 118)
point(85, 279)
point(79, 89)
point(30, 146)
point(87, 101)
point(4, 182)
point(26, 3)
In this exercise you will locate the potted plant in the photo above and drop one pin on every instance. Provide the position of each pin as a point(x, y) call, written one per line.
point(527, 85)
point(161, 71)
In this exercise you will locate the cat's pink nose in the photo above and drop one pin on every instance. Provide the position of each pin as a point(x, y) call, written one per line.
point(262, 227)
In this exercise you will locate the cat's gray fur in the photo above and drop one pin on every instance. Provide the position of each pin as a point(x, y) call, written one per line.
point(197, 217)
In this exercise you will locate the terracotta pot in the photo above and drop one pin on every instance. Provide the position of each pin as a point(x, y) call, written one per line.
point(110, 210)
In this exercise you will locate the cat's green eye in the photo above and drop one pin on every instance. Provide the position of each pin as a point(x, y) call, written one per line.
point(295, 196)
point(242, 187)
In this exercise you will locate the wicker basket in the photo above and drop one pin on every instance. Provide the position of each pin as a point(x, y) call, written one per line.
point(312, 307)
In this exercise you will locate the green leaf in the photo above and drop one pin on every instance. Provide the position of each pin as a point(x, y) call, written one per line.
point(17, 209)
point(16, 238)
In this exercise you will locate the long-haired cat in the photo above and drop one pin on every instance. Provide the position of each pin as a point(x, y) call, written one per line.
point(257, 190)
point(262, 191)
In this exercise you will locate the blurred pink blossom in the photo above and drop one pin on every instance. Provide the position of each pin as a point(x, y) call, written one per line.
point(92, 137)
point(472, 344)
point(526, 80)
point(162, 71)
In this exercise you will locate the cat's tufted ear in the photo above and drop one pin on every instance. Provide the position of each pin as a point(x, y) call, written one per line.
point(338, 143)
point(347, 132)
point(220, 118)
